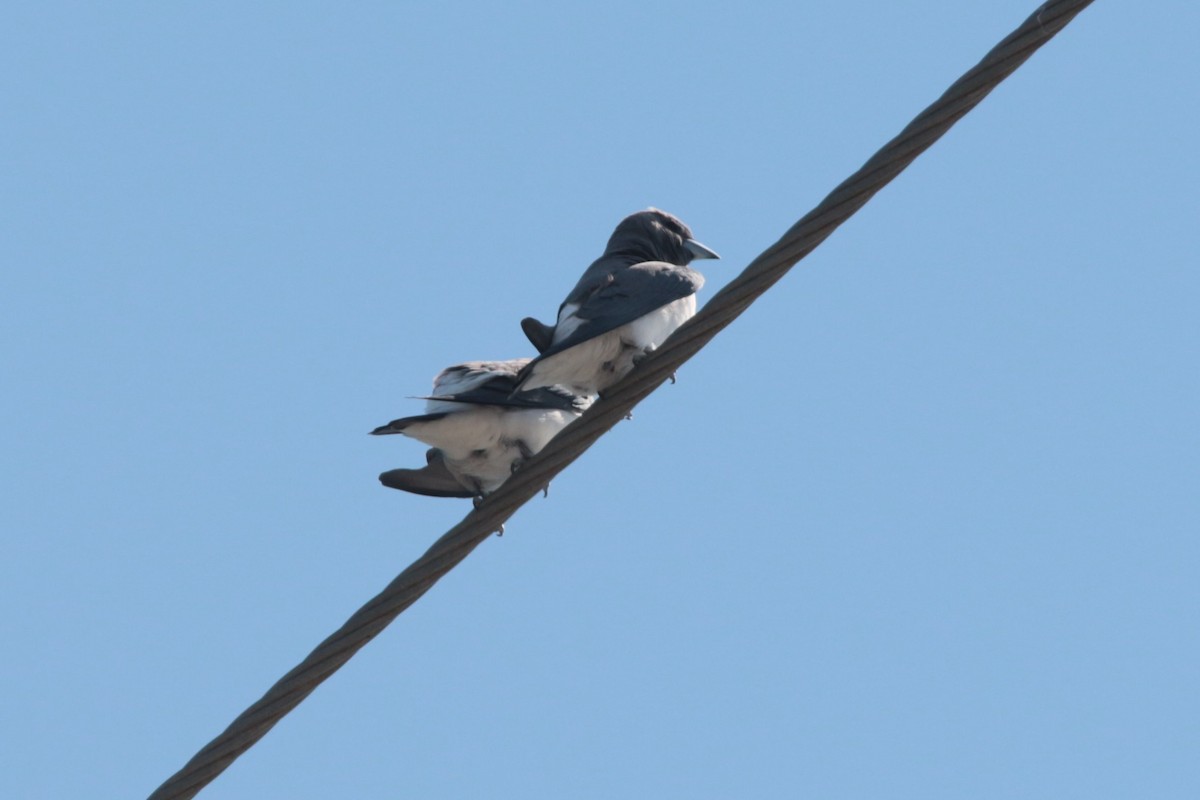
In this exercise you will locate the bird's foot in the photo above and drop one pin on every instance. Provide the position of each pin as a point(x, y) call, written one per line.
point(546, 490)
point(638, 358)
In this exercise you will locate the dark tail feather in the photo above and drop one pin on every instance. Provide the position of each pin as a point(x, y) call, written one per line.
point(398, 425)
point(432, 480)
point(539, 334)
point(505, 397)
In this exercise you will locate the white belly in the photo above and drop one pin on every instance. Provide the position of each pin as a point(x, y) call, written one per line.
point(482, 443)
point(652, 330)
point(594, 365)
point(458, 433)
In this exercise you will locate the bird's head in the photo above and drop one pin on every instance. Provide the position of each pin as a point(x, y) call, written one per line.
point(655, 235)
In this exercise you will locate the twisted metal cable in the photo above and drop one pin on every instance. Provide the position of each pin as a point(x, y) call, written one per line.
point(618, 401)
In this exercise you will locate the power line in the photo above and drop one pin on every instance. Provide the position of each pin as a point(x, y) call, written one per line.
point(618, 401)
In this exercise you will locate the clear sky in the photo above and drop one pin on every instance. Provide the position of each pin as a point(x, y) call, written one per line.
point(922, 523)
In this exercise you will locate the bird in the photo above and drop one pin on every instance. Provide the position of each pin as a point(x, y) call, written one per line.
point(481, 428)
point(623, 307)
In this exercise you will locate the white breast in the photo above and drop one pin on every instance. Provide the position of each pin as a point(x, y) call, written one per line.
point(651, 330)
point(458, 434)
point(490, 466)
point(601, 361)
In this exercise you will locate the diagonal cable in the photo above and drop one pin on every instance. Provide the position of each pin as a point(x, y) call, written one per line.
point(722, 309)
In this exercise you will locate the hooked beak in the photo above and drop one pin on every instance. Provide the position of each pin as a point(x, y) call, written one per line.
point(698, 250)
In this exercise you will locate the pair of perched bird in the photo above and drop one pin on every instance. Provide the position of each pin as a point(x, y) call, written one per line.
point(484, 418)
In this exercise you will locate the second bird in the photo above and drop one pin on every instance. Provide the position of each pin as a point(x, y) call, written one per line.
point(480, 428)
point(625, 305)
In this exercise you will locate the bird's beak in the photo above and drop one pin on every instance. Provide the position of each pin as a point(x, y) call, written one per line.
point(699, 250)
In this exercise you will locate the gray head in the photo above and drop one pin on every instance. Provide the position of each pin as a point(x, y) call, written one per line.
point(654, 235)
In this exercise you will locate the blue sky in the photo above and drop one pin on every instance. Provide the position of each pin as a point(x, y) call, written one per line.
point(922, 523)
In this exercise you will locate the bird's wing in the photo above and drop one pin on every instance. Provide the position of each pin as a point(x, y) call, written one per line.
point(468, 376)
point(503, 393)
point(432, 480)
point(398, 425)
point(624, 296)
point(494, 383)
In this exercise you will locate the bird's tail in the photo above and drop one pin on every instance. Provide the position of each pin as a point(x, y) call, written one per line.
point(433, 480)
point(539, 334)
point(424, 481)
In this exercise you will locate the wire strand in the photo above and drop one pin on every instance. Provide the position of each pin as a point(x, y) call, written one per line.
point(457, 543)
